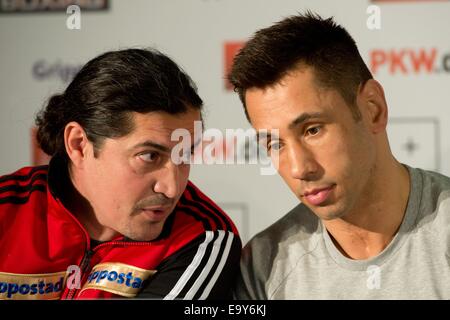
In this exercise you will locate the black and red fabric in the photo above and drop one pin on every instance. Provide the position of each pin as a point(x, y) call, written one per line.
point(45, 253)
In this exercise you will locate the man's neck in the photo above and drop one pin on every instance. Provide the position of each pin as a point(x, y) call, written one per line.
point(369, 228)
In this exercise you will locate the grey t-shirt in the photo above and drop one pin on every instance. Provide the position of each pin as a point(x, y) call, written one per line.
point(296, 259)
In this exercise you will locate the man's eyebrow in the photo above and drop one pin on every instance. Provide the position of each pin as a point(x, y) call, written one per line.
point(305, 117)
point(296, 122)
point(152, 144)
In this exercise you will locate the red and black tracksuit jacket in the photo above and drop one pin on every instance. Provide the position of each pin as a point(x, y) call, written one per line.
point(45, 253)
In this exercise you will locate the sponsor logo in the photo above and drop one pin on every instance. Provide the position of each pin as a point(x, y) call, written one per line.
point(427, 1)
point(44, 70)
point(46, 286)
point(408, 61)
point(30, 6)
point(118, 278)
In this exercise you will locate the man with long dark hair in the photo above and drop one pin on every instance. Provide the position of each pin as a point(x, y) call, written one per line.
point(113, 215)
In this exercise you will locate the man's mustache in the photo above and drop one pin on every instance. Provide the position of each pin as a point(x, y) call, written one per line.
point(157, 200)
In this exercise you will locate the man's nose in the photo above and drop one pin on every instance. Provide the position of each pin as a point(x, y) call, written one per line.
point(167, 181)
point(302, 163)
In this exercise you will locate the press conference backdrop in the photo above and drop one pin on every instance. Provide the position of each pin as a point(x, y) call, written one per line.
point(405, 43)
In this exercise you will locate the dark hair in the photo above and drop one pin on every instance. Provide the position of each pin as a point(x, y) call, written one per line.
point(307, 40)
point(107, 89)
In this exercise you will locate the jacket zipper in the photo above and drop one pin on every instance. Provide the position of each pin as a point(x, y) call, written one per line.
point(84, 266)
point(85, 262)
point(124, 243)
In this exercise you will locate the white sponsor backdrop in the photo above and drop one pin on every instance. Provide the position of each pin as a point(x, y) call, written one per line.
point(39, 54)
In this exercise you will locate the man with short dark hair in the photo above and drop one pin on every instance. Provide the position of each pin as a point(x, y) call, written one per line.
point(368, 227)
point(114, 215)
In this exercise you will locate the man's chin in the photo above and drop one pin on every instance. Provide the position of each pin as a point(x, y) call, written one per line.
point(327, 213)
point(330, 217)
point(150, 234)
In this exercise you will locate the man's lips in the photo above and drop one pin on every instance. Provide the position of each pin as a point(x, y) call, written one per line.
point(318, 195)
point(155, 212)
point(156, 208)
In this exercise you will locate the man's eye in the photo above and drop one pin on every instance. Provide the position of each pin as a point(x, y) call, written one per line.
point(313, 131)
point(149, 156)
point(273, 146)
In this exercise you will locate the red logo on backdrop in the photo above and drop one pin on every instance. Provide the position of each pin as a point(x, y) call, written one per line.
point(410, 0)
point(230, 49)
point(38, 157)
point(409, 61)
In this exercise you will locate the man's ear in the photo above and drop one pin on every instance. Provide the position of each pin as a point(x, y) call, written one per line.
point(371, 99)
point(76, 143)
